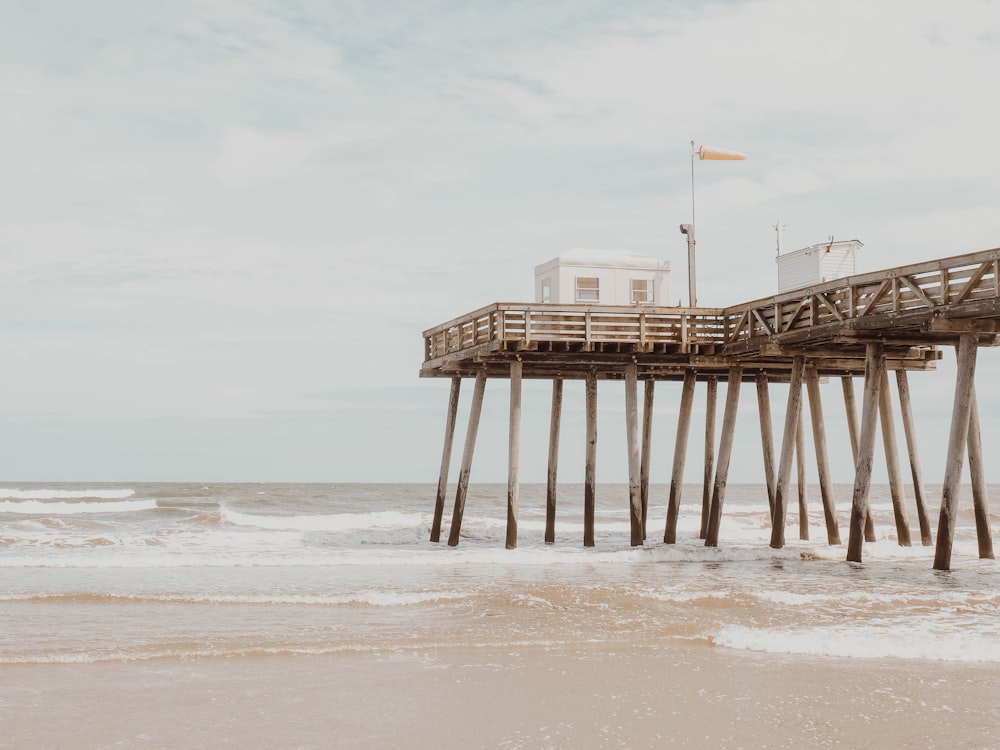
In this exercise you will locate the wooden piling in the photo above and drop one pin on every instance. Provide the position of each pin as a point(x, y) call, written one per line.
point(449, 438)
point(906, 411)
point(958, 436)
point(892, 463)
point(847, 381)
point(513, 453)
point(980, 498)
point(632, 441)
point(766, 436)
point(800, 473)
point(550, 490)
point(470, 447)
point(711, 396)
point(680, 455)
point(788, 439)
point(590, 472)
point(874, 367)
point(647, 434)
point(725, 453)
point(822, 459)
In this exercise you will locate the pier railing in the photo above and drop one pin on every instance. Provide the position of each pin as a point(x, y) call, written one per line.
point(963, 286)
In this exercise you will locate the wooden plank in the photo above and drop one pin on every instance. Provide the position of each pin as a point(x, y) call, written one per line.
point(957, 440)
point(852, 428)
point(909, 431)
point(874, 366)
point(632, 442)
point(680, 454)
point(709, 469)
point(822, 460)
point(552, 485)
point(788, 439)
point(725, 453)
point(590, 472)
point(513, 453)
point(449, 438)
point(892, 463)
point(977, 473)
point(470, 447)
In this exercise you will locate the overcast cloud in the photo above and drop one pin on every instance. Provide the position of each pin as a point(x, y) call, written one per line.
point(224, 225)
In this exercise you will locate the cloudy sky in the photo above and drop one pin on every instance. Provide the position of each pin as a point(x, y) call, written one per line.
point(224, 225)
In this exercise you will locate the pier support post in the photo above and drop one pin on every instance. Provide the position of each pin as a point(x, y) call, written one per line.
point(513, 453)
point(590, 472)
point(957, 438)
point(847, 381)
point(906, 411)
point(470, 448)
point(647, 435)
point(822, 460)
point(725, 453)
point(980, 499)
point(874, 367)
point(550, 490)
point(766, 436)
point(711, 396)
point(632, 440)
point(892, 463)
point(800, 473)
point(788, 439)
point(680, 455)
point(449, 439)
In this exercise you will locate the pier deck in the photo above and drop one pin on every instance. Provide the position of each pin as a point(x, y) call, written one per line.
point(897, 319)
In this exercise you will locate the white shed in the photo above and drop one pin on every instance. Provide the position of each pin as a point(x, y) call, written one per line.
point(816, 264)
point(603, 277)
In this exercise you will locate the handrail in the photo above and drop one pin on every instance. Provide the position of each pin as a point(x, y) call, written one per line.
point(918, 288)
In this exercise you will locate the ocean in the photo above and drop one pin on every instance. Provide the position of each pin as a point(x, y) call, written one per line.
point(256, 585)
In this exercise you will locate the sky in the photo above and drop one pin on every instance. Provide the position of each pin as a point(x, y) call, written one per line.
point(224, 225)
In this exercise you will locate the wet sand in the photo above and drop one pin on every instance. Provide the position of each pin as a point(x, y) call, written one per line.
point(589, 695)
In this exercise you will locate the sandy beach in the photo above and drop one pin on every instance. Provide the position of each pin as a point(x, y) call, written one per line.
point(585, 696)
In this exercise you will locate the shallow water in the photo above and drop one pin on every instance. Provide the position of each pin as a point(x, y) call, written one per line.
point(173, 571)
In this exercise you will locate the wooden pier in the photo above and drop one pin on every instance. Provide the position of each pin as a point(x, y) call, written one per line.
point(898, 320)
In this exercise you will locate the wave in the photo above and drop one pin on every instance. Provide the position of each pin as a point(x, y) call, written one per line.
point(59, 508)
point(365, 598)
point(333, 522)
point(47, 494)
point(904, 642)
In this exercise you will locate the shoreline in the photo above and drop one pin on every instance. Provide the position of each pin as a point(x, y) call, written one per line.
point(587, 694)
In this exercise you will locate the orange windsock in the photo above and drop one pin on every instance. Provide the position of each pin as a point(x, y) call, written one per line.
point(708, 152)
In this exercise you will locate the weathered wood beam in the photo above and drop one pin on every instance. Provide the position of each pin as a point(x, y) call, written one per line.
point(470, 447)
point(800, 466)
point(551, 487)
point(513, 453)
point(874, 367)
point(680, 454)
point(725, 454)
point(972, 282)
point(909, 431)
point(590, 472)
point(957, 440)
point(711, 396)
point(852, 427)
point(977, 473)
point(647, 435)
point(766, 436)
point(892, 463)
point(632, 441)
point(449, 438)
point(788, 439)
point(822, 461)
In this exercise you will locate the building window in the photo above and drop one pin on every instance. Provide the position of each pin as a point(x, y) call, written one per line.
point(588, 289)
point(642, 291)
point(546, 290)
